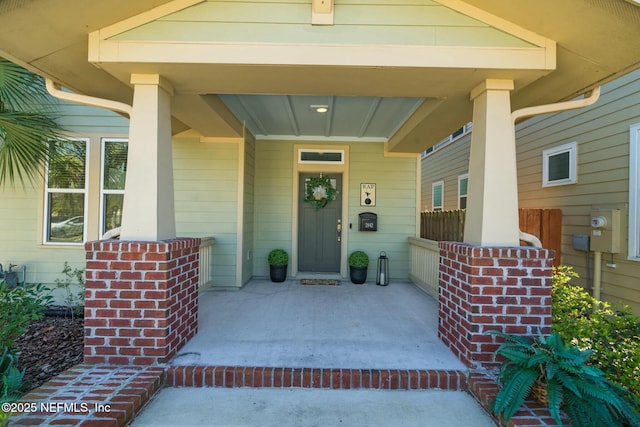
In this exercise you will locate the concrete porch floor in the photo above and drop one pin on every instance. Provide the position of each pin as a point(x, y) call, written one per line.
point(293, 325)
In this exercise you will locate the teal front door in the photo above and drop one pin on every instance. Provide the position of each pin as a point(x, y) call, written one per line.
point(319, 229)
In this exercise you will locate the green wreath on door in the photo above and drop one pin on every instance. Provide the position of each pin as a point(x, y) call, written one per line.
point(319, 191)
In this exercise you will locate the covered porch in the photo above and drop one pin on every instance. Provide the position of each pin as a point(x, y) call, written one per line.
point(318, 326)
point(197, 164)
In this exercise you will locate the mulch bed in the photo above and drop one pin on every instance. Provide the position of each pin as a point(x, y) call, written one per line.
point(50, 346)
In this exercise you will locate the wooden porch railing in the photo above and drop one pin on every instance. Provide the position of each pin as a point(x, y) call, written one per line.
point(206, 261)
point(425, 264)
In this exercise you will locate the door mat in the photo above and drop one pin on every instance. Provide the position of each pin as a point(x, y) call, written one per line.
point(327, 282)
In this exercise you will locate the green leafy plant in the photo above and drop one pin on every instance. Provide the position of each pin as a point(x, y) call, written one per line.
point(584, 321)
point(11, 378)
point(73, 278)
point(319, 191)
point(358, 259)
point(583, 391)
point(12, 384)
point(278, 257)
point(18, 306)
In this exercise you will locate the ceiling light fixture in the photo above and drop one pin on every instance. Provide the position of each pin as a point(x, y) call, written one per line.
point(320, 108)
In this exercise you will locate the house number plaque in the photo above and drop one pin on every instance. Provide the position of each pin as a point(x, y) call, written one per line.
point(367, 194)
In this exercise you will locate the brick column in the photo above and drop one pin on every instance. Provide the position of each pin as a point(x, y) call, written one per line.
point(141, 300)
point(489, 288)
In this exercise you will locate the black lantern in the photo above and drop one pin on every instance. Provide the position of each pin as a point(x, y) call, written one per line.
point(382, 277)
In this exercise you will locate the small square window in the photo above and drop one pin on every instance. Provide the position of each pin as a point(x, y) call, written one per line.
point(559, 165)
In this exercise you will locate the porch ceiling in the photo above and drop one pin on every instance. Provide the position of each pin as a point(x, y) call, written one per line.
point(596, 42)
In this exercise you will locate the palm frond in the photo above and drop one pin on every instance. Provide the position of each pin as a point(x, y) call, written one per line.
point(21, 90)
point(23, 148)
point(26, 124)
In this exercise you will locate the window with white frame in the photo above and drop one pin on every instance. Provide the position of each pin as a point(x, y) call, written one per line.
point(66, 192)
point(463, 182)
point(437, 195)
point(634, 199)
point(114, 169)
point(559, 165)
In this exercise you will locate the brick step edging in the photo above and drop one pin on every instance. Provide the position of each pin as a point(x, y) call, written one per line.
point(75, 396)
point(327, 378)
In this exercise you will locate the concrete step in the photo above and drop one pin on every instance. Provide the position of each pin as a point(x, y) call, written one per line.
point(309, 407)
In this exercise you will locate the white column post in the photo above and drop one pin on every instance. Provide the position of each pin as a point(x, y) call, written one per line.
point(148, 212)
point(492, 201)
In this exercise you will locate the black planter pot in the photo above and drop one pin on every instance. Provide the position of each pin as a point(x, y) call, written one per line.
point(358, 274)
point(278, 273)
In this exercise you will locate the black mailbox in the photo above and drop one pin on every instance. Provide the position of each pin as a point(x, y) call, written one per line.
point(368, 221)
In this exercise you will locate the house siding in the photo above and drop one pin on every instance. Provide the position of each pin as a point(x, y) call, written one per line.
point(395, 179)
point(272, 198)
point(21, 207)
point(205, 185)
point(445, 165)
point(602, 135)
point(396, 207)
point(206, 200)
point(247, 256)
point(359, 22)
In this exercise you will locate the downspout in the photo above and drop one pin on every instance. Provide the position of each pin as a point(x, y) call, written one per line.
point(588, 100)
point(554, 108)
point(55, 91)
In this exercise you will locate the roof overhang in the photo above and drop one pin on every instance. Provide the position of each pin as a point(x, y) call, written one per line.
point(571, 49)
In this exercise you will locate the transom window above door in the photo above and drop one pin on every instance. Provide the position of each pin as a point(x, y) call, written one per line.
point(321, 156)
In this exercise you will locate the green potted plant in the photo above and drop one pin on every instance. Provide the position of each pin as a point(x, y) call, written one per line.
point(358, 264)
point(278, 261)
point(559, 375)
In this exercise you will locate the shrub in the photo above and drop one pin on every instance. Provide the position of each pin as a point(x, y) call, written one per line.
point(358, 259)
point(11, 378)
point(278, 257)
point(72, 277)
point(614, 334)
point(18, 306)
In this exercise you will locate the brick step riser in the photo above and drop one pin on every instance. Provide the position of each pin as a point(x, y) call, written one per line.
point(326, 378)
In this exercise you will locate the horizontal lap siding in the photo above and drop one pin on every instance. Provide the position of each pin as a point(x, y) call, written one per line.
point(359, 22)
point(249, 207)
point(446, 164)
point(395, 180)
point(602, 134)
point(21, 207)
point(206, 201)
point(272, 198)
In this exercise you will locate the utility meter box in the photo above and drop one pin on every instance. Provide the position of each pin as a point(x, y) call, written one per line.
point(605, 230)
